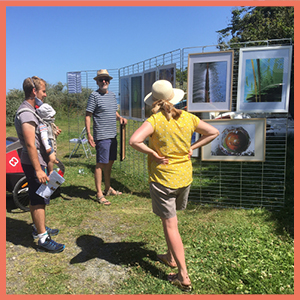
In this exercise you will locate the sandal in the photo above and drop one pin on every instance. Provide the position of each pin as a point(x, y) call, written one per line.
point(103, 201)
point(111, 192)
point(173, 279)
point(162, 258)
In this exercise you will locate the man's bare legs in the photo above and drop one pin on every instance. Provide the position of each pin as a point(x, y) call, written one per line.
point(38, 217)
point(175, 248)
point(106, 168)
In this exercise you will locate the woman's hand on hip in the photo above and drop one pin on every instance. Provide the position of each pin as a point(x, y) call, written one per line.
point(160, 159)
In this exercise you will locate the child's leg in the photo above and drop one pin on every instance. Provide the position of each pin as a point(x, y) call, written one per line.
point(50, 167)
point(52, 159)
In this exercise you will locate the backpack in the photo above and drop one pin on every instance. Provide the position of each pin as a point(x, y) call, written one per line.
point(51, 127)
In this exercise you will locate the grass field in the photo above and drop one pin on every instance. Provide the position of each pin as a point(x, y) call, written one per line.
point(112, 250)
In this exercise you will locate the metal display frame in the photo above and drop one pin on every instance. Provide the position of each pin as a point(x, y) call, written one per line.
point(217, 183)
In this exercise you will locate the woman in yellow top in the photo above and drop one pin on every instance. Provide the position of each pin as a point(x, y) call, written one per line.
point(169, 166)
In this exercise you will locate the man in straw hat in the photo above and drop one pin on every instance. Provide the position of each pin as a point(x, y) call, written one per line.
point(170, 132)
point(102, 106)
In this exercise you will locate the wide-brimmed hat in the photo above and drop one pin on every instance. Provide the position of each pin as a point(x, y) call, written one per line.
point(102, 73)
point(163, 90)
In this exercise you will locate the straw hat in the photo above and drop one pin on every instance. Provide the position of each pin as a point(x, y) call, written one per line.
point(163, 90)
point(102, 73)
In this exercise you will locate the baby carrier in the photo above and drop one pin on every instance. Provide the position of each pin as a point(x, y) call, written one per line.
point(49, 122)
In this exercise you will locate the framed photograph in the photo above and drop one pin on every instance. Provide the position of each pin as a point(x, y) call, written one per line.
point(195, 137)
point(210, 81)
point(136, 97)
point(125, 96)
point(149, 79)
point(264, 79)
point(122, 141)
point(167, 72)
point(239, 140)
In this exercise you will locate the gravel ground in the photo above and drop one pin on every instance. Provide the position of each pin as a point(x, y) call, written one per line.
point(89, 260)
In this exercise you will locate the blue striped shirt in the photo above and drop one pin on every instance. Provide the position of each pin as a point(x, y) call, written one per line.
point(103, 107)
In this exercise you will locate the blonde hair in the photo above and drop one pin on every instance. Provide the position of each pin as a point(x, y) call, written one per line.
point(167, 109)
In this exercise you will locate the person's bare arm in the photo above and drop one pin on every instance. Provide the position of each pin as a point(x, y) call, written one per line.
point(208, 134)
point(121, 119)
point(137, 142)
point(88, 116)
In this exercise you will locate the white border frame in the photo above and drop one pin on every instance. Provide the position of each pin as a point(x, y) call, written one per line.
point(264, 52)
point(259, 142)
point(210, 57)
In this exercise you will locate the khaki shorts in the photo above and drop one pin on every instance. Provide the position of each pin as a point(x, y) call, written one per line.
point(166, 201)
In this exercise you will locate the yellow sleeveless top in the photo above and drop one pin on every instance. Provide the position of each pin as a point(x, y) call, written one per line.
point(172, 139)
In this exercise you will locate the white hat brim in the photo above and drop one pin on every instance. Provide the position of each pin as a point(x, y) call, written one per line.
point(178, 95)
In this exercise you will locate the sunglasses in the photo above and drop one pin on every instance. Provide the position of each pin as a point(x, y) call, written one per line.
point(105, 79)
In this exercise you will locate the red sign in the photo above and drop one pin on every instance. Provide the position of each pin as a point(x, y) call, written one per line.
point(13, 162)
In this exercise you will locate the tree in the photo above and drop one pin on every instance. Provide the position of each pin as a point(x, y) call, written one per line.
point(181, 79)
point(64, 103)
point(258, 23)
point(251, 24)
point(13, 100)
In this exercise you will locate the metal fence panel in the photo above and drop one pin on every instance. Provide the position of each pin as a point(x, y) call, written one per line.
point(224, 184)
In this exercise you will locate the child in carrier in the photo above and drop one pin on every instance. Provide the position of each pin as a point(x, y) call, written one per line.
point(48, 131)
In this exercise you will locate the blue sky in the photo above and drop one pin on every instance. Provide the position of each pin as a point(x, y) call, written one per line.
point(50, 41)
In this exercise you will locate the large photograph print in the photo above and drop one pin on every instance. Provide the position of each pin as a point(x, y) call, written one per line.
point(210, 81)
point(168, 72)
point(136, 96)
point(149, 79)
point(239, 140)
point(264, 79)
point(125, 96)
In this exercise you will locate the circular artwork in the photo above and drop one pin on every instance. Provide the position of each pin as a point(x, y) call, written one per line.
point(235, 141)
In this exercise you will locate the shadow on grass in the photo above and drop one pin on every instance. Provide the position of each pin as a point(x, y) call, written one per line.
point(10, 205)
point(19, 233)
point(285, 217)
point(119, 253)
point(128, 183)
point(77, 191)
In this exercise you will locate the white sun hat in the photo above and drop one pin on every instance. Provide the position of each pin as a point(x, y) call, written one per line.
point(163, 90)
point(46, 111)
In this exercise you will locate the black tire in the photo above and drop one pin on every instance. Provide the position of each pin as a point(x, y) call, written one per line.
point(11, 139)
point(21, 195)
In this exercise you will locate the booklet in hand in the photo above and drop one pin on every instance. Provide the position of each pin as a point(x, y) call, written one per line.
point(55, 180)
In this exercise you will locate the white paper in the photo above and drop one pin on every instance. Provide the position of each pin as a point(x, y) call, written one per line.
point(55, 180)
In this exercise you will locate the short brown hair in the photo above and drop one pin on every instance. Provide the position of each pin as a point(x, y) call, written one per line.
point(30, 83)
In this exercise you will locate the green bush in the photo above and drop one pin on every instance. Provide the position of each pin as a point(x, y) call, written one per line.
point(58, 97)
point(13, 100)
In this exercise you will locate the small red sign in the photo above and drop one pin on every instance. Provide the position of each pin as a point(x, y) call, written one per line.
point(13, 162)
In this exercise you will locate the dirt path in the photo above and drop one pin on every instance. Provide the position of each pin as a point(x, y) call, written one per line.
point(89, 260)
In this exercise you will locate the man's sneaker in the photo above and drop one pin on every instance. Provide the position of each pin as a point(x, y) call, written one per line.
point(49, 230)
point(50, 246)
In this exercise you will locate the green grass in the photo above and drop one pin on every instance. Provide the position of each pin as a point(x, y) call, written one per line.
point(228, 251)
